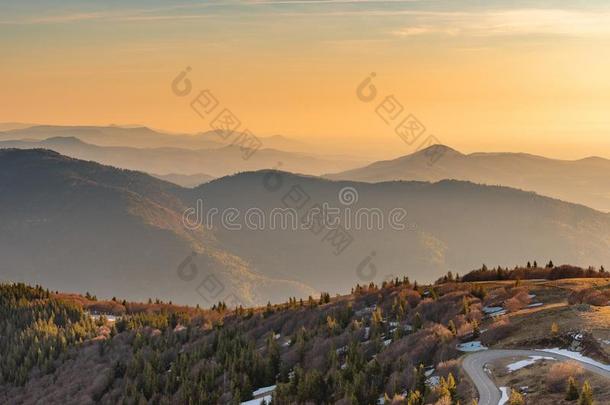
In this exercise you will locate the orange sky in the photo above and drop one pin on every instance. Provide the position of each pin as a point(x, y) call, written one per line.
point(479, 79)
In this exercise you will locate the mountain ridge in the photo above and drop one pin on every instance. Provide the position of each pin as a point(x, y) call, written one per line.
point(89, 224)
point(124, 228)
point(213, 159)
point(577, 181)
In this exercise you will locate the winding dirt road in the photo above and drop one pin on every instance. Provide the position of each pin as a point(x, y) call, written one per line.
point(489, 394)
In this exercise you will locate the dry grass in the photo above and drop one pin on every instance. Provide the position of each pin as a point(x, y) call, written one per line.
point(560, 372)
point(535, 324)
point(534, 377)
point(532, 324)
point(577, 284)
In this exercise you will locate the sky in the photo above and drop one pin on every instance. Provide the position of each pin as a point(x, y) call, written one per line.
point(525, 76)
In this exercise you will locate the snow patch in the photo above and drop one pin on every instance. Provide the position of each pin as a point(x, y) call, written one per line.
point(577, 356)
point(518, 365)
point(494, 311)
point(264, 390)
point(505, 397)
point(367, 333)
point(109, 318)
point(474, 346)
point(433, 381)
point(258, 401)
point(535, 304)
point(341, 350)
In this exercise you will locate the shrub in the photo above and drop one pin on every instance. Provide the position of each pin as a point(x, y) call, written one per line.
point(497, 331)
point(554, 329)
point(586, 395)
point(520, 300)
point(412, 297)
point(588, 296)
point(560, 373)
point(448, 367)
point(516, 398)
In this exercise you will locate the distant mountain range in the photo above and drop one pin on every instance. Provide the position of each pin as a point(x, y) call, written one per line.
point(215, 160)
point(140, 137)
point(132, 136)
point(77, 225)
point(585, 181)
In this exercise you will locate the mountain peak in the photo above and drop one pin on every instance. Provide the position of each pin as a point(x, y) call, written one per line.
point(64, 140)
point(438, 149)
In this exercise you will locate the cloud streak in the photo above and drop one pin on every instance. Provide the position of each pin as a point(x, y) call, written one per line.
point(418, 22)
point(510, 22)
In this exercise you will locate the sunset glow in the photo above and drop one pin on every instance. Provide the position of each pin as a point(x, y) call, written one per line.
point(532, 77)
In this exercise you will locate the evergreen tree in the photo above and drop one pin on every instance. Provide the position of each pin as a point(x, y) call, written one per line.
point(516, 398)
point(586, 395)
point(452, 328)
point(420, 380)
point(415, 398)
point(476, 331)
point(572, 393)
point(417, 322)
point(554, 329)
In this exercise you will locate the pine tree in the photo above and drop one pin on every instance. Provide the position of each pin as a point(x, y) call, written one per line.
point(572, 393)
point(417, 322)
point(465, 306)
point(442, 389)
point(554, 329)
point(420, 380)
point(476, 331)
point(586, 395)
point(516, 398)
point(451, 386)
point(415, 398)
point(452, 328)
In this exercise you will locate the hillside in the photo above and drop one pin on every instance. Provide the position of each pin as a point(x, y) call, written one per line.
point(581, 181)
point(316, 350)
point(78, 225)
point(118, 232)
point(400, 341)
point(449, 225)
